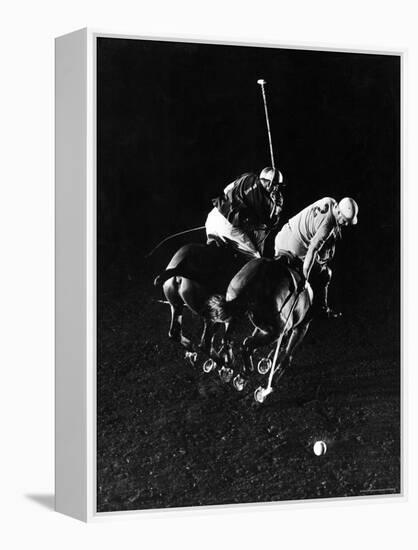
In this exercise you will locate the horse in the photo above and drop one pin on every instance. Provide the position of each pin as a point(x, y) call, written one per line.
point(270, 292)
point(193, 275)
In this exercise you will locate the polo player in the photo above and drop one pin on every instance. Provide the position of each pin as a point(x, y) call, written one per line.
point(311, 236)
point(246, 211)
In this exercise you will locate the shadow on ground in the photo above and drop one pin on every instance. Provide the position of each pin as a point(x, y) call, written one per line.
point(45, 500)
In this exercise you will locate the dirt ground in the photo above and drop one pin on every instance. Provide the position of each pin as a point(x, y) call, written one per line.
point(169, 435)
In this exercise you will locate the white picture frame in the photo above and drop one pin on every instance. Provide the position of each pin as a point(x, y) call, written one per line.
point(76, 272)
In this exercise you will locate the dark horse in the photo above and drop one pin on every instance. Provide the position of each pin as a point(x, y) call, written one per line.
point(268, 292)
point(194, 274)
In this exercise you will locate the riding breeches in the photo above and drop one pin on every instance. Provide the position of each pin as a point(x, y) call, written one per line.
point(218, 227)
point(287, 240)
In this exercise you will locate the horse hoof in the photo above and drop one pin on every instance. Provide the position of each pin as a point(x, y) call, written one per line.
point(191, 357)
point(264, 365)
point(226, 374)
point(239, 382)
point(260, 394)
point(208, 365)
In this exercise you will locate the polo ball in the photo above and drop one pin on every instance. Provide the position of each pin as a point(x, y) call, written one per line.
point(320, 448)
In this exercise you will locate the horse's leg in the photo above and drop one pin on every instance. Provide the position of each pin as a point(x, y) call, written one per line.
point(171, 291)
point(296, 337)
point(224, 358)
point(226, 351)
point(194, 296)
point(207, 334)
point(207, 345)
point(207, 339)
point(176, 307)
point(259, 338)
point(212, 351)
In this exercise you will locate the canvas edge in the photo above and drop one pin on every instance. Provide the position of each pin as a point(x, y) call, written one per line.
point(71, 390)
point(251, 42)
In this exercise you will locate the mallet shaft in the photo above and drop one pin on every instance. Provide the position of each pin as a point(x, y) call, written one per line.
point(262, 82)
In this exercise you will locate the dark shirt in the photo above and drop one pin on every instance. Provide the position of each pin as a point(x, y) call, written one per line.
point(246, 203)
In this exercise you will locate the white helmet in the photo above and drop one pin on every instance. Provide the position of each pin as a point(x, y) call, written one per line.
point(349, 210)
point(269, 174)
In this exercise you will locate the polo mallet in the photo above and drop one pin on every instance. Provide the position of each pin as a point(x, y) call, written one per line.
point(262, 84)
point(261, 393)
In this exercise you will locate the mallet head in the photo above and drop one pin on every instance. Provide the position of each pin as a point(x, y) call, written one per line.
point(261, 82)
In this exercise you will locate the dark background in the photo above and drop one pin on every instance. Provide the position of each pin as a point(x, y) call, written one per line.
point(177, 122)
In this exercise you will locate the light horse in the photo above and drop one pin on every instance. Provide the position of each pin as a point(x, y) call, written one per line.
point(268, 292)
point(193, 275)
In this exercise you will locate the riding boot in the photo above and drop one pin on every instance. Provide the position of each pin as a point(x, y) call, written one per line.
point(325, 311)
point(320, 308)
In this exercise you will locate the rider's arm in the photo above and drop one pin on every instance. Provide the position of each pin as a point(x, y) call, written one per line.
point(263, 207)
point(309, 261)
point(315, 246)
point(255, 201)
point(229, 187)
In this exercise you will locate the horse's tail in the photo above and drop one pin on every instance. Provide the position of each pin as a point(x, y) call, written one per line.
point(219, 310)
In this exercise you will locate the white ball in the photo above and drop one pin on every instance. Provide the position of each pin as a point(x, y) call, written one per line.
point(320, 448)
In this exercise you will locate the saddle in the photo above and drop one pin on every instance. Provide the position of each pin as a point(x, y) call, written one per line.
point(229, 245)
